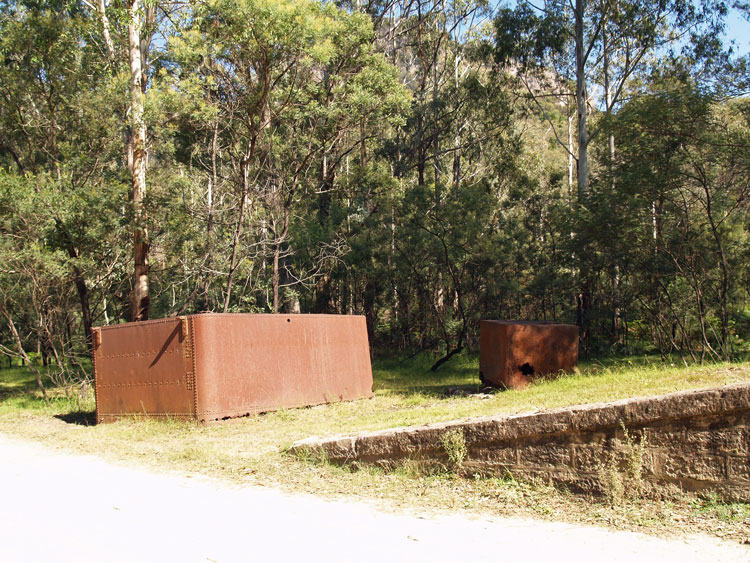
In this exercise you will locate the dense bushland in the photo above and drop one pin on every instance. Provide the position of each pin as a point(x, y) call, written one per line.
point(424, 164)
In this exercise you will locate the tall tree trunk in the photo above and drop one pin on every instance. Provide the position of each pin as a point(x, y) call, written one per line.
point(435, 131)
point(583, 299)
point(212, 183)
point(656, 210)
point(289, 299)
point(457, 129)
point(616, 274)
point(237, 232)
point(362, 144)
point(616, 305)
point(278, 260)
point(83, 296)
point(571, 158)
point(421, 149)
point(393, 276)
point(81, 286)
point(581, 101)
point(102, 9)
point(275, 277)
point(326, 187)
point(141, 305)
point(324, 291)
point(608, 101)
point(724, 267)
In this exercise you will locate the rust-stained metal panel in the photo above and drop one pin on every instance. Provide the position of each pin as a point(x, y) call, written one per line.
point(225, 365)
point(272, 361)
point(143, 369)
point(512, 353)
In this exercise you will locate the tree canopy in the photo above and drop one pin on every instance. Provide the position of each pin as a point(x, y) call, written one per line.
point(425, 164)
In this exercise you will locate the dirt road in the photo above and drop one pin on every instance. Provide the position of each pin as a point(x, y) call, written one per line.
point(57, 507)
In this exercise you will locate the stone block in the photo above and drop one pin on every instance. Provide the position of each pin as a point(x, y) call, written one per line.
point(545, 455)
point(667, 437)
point(335, 449)
point(589, 458)
point(386, 446)
point(729, 439)
point(697, 467)
point(738, 468)
point(495, 456)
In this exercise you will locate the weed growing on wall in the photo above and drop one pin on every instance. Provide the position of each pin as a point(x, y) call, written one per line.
point(454, 444)
point(621, 474)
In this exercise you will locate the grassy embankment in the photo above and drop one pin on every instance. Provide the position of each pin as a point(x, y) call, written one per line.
point(406, 393)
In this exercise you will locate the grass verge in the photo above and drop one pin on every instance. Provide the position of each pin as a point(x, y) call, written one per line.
point(251, 450)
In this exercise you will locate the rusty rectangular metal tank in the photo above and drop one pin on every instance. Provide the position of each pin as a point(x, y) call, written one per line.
point(213, 366)
point(512, 353)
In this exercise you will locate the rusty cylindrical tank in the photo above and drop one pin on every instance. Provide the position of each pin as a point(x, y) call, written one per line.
point(512, 353)
point(214, 366)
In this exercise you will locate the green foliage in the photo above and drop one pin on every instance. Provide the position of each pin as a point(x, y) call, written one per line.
point(320, 157)
point(454, 444)
point(686, 214)
point(525, 36)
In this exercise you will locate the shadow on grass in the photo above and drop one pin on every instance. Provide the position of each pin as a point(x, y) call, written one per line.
point(15, 381)
point(459, 376)
point(81, 418)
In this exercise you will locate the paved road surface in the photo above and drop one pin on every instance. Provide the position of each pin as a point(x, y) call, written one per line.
point(57, 507)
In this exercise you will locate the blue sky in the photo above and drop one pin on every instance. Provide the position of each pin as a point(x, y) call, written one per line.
point(738, 29)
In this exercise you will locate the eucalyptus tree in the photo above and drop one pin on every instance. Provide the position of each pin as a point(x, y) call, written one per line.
point(128, 35)
point(597, 50)
point(59, 131)
point(695, 165)
point(138, 15)
point(291, 83)
point(599, 46)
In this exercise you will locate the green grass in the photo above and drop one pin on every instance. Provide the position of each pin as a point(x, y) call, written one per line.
point(416, 395)
point(19, 393)
point(407, 393)
point(252, 449)
point(411, 383)
point(726, 512)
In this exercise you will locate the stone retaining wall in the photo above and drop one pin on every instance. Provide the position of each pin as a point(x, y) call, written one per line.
point(696, 440)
